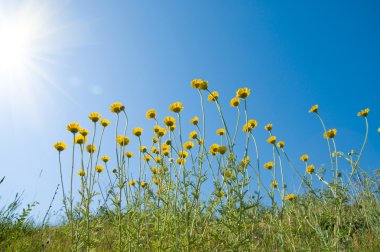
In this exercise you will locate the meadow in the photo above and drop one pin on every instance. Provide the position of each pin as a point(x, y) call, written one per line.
point(181, 192)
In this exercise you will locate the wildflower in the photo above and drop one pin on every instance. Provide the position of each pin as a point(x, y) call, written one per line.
point(176, 107)
point(105, 159)
point(181, 161)
point(269, 165)
point(222, 149)
point(79, 139)
point(132, 182)
point(274, 184)
point(122, 140)
point(169, 121)
point(183, 154)
point(234, 102)
point(91, 148)
point(199, 84)
point(137, 131)
point(129, 154)
point(220, 132)
point(363, 112)
point(228, 173)
point(245, 161)
point(81, 173)
point(252, 124)
point(157, 159)
point(331, 133)
point(165, 146)
point(213, 96)
point(281, 144)
point(314, 109)
point(147, 158)
point(143, 184)
point(156, 181)
point(154, 140)
point(60, 146)
point(142, 148)
point(153, 149)
point(73, 127)
point(290, 196)
point(271, 140)
point(268, 127)
point(214, 149)
point(94, 116)
point(99, 168)
point(243, 93)
point(310, 169)
point(304, 158)
point(188, 145)
point(221, 193)
point(117, 107)
point(172, 128)
point(154, 170)
point(166, 153)
point(193, 135)
point(83, 132)
point(105, 122)
point(151, 114)
point(195, 120)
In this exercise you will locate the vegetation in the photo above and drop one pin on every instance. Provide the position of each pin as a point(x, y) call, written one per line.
point(184, 193)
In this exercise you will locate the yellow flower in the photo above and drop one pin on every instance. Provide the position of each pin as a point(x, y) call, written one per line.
point(331, 133)
point(290, 196)
point(252, 123)
point(363, 112)
point(129, 154)
point(269, 165)
point(60, 146)
point(200, 141)
point(73, 127)
point(99, 168)
point(151, 114)
point(188, 145)
point(243, 93)
point(220, 132)
point(281, 144)
point(310, 169)
point(83, 132)
point(222, 149)
point(79, 139)
point(105, 159)
point(143, 148)
point(157, 159)
point(81, 173)
point(122, 140)
point(165, 146)
point(193, 135)
point(271, 140)
point(176, 107)
point(172, 128)
point(234, 102)
point(91, 148)
point(199, 84)
point(156, 129)
point(94, 116)
point(221, 193)
point(154, 170)
point(274, 184)
point(213, 96)
point(195, 120)
point(214, 149)
point(245, 161)
point(314, 109)
point(161, 132)
point(268, 127)
point(228, 173)
point(154, 139)
point(183, 154)
point(304, 158)
point(117, 107)
point(147, 158)
point(105, 122)
point(166, 153)
point(137, 131)
point(181, 161)
point(153, 149)
point(143, 184)
point(132, 182)
point(156, 181)
point(169, 121)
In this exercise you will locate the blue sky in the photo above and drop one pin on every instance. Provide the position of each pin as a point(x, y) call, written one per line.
point(291, 55)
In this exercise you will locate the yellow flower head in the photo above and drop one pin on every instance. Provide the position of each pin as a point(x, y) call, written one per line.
point(183, 154)
point(94, 116)
point(129, 154)
point(181, 161)
point(200, 141)
point(243, 93)
point(166, 153)
point(199, 84)
point(91, 148)
point(105, 122)
point(281, 144)
point(117, 107)
point(245, 161)
point(220, 132)
point(161, 132)
point(269, 165)
point(153, 149)
point(222, 150)
point(213, 96)
point(79, 139)
point(290, 196)
point(304, 158)
point(154, 170)
point(252, 123)
point(99, 168)
point(156, 181)
point(228, 173)
point(176, 107)
point(105, 159)
point(81, 173)
point(234, 102)
point(268, 127)
point(310, 169)
point(314, 109)
point(84, 132)
point(274, 184)
point(165, 146)
point(214, 149)
point(154, 139)
point(151, 114)
point(122, 140)
point(143, 184)
point(188, 145)
point(156, 129)
point(364, 112)
point(271, 140)
point(169, 121)
point(143, 148)
point(60, 146)
point(193, 135)
point(147, 158)
point(132, 182)
point(195, 120)
point(157, 159)
point(172, 128)
point(331, 133)
point(73, 127)
point(137, 131)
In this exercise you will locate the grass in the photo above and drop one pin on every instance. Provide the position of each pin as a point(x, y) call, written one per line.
point(194, 195)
